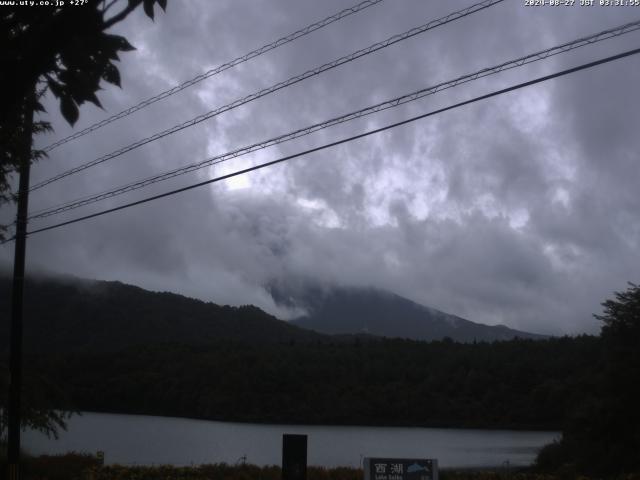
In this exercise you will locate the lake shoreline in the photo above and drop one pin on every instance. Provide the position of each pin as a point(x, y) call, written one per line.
point(150, 440)
point(257, 421)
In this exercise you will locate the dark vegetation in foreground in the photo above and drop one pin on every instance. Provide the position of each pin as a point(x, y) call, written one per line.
point(589, 387)
point(104, 346)
point(519, 384)
point(75, 466)
point(601, 435)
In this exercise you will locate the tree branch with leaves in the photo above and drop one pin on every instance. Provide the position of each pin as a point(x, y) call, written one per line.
point(65, 50)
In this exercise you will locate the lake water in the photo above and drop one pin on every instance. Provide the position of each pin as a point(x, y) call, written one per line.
point(146, 440)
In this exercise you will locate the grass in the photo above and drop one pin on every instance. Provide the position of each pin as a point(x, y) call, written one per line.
point(80, 466)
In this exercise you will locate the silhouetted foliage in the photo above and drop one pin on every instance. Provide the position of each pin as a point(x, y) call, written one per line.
point(64, 49)
point(70, 466)
point(38, 395)
point(75, 315)
point(602, 435)
point(119, 348)
point(516, 384)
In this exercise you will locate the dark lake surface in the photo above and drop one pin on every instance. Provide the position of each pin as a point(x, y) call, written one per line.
point(147, 440)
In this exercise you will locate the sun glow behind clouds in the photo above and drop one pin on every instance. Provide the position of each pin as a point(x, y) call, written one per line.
point(319, 212)
point(540, 167)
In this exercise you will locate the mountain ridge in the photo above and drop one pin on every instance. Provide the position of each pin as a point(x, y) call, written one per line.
point(70, 314)
point(352, 310)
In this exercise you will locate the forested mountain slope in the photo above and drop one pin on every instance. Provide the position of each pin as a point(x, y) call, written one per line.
point(65, 314)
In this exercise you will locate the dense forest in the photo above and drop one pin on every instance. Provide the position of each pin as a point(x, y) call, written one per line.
point(68, 314)
point(517, 384)
point(587, 386)
point(77, 315)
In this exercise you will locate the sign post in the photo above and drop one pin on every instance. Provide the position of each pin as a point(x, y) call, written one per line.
point(400, 469)
point(294, 457)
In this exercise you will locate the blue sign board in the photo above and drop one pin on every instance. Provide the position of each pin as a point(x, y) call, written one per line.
point(400, 469)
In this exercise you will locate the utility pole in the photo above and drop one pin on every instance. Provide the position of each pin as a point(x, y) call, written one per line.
point(15, 346)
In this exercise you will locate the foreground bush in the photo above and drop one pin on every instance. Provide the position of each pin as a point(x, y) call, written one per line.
point(215, 472)
point(75, 466)
point(70, 466)
point(252, 472)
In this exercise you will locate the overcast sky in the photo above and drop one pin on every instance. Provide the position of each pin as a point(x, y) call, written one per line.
point(521, 210)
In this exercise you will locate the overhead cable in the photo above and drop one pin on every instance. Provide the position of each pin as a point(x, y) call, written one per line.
point(394, 102)
point(278, 86)
point(339, 142)
point(219, 69)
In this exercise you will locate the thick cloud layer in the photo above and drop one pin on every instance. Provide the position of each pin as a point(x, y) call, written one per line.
point(521, 210)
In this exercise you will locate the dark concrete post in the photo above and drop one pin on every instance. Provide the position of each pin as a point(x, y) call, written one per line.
point(294, 457)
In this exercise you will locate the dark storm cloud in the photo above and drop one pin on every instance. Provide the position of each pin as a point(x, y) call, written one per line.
point(519, 210)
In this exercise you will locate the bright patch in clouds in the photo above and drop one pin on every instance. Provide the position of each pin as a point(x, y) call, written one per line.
point(520, 209)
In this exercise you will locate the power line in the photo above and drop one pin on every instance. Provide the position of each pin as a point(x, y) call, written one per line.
point(219, 69)
point(278, 86)
point(339, 142)
point(401, 100)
